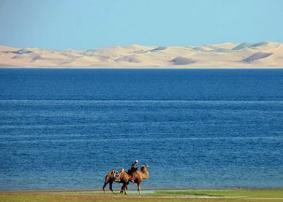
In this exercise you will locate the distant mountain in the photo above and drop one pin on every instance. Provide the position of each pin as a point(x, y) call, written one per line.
point(226, 55)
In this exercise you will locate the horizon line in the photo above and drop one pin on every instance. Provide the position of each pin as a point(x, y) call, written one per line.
point(146, 45)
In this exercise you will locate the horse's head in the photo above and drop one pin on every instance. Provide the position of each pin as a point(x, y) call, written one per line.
point(144, 167)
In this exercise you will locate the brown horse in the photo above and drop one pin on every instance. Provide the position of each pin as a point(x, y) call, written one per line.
point(110, 177)
point(133, 175)
point(137, 177)
point(119, 177)
point(125, 178)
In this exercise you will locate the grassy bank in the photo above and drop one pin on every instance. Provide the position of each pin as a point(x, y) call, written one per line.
point(205, 195)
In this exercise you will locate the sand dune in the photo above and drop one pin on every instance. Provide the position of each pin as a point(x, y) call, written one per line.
point(226, 55)
point(256, 56)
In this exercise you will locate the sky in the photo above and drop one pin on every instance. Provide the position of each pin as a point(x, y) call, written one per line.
point(86, 24)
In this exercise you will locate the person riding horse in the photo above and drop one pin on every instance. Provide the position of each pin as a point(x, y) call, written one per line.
point(134, 167)
point(133, 170)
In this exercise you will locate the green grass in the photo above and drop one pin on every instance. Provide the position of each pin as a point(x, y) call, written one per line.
point(193, 195)
point(262, 193)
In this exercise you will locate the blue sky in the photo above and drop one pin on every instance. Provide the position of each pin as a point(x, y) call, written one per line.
point(83, 24)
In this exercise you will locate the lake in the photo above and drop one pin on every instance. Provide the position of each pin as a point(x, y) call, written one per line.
point(65, 128)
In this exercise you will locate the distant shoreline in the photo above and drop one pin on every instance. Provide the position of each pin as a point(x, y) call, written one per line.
point(226, 55)
point(143, 68)
point(133, 189)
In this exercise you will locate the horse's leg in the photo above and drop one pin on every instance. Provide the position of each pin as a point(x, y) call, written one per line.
point(103, 188)
point(139, 188)
point(110, 186)
point(122, 188)
point(125, 188)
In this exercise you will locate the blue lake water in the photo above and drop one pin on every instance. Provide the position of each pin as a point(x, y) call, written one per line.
point(64, 129)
